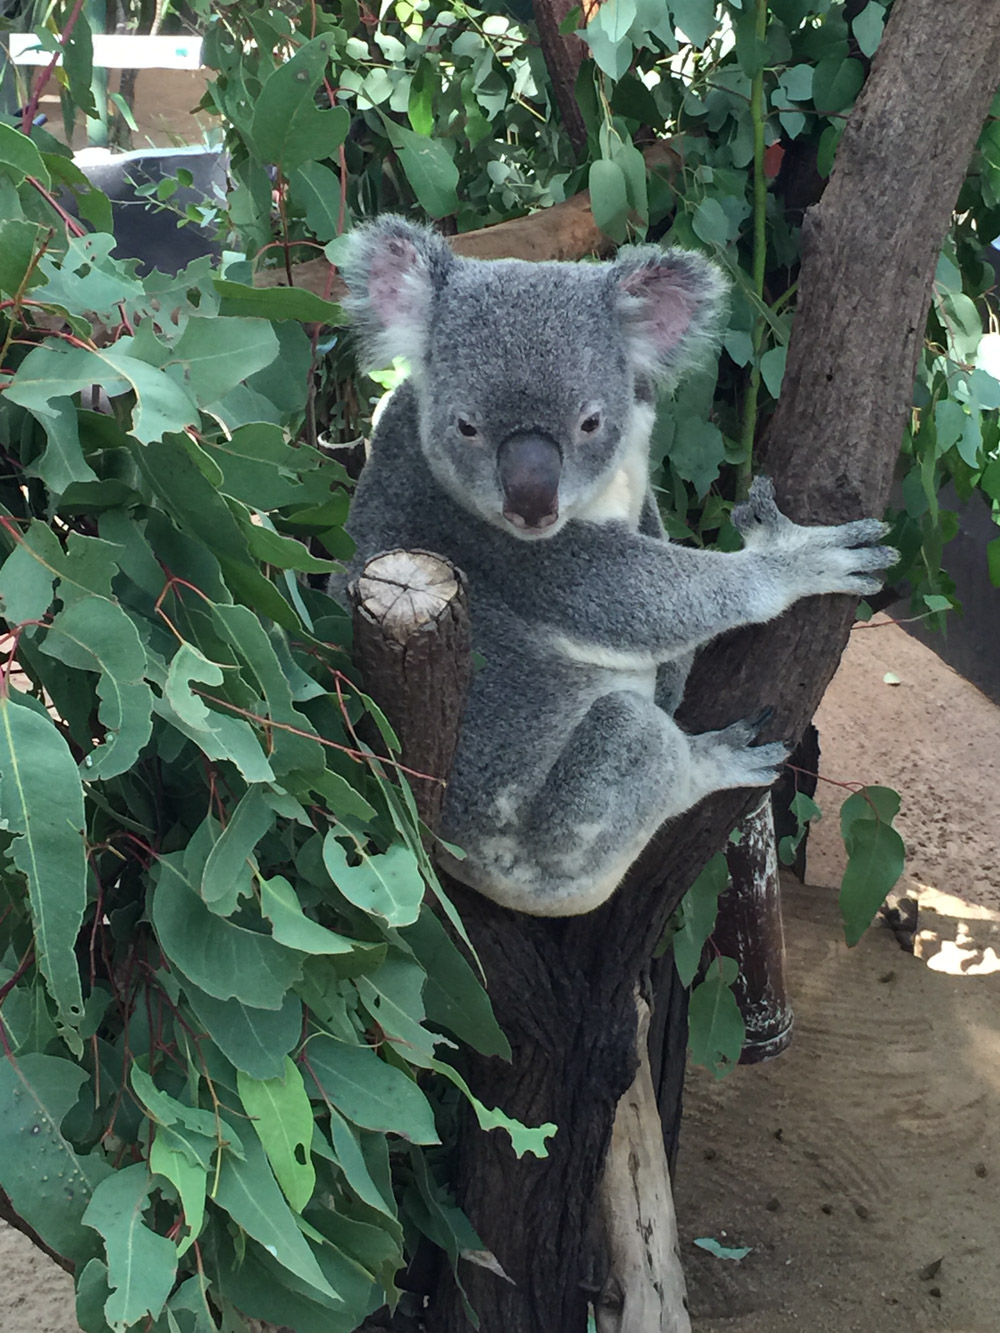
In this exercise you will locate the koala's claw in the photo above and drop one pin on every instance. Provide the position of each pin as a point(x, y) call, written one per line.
point(759, 509)
point(757, 723)
point(862, 532)
point(864, 587)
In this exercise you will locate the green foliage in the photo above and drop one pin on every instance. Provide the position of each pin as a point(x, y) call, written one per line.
point(874, 856)
point(217, 1015)
point(805, 810)
point(716, 1030)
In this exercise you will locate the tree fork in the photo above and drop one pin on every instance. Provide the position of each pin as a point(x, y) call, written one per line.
point(563, 990)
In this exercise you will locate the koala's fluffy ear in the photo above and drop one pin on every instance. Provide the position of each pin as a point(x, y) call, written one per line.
point(671, 304)
point(392, 270)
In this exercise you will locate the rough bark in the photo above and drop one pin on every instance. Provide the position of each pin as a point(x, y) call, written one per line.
point(563, 990)
point(667, 1047)
point(563, 56)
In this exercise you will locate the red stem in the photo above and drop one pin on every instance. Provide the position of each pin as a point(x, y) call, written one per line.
point(41, 83)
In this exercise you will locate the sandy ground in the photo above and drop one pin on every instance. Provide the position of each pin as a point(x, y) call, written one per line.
point(863, 1166)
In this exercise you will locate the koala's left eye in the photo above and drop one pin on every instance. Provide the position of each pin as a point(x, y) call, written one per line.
point(591, 423)
point(467, 429)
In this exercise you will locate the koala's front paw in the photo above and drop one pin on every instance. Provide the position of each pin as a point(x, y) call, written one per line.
point(728, 758)
point(839, 558)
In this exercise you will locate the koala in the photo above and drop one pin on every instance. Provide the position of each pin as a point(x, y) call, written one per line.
point(518, 448)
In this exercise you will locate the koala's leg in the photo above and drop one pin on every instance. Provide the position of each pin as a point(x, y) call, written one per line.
point(625, 769)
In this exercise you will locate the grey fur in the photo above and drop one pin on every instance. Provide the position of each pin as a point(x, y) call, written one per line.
point(567, 763)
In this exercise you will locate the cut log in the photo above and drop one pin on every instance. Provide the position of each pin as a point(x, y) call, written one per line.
point(411, 645)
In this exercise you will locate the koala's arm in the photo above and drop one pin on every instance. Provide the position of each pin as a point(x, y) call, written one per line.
point(616, 594)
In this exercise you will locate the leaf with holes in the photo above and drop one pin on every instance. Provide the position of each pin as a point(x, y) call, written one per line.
point(288, 127)
point(95, 634)
point(280, 1113)
point(388, 884)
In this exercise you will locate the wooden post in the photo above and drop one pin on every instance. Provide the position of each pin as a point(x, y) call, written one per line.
point(749, 929)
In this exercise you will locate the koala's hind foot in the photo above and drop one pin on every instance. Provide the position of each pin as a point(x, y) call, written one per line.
point(842, 557)
point(728, 758)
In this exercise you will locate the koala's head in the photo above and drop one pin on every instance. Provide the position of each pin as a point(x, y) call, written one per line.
point(533, 379)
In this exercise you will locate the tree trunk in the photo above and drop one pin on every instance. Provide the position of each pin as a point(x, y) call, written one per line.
point(564, 989)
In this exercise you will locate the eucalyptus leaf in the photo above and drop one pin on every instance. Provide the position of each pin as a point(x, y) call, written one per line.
point(41, 802)
point(254, 1040)
point(248, 1192)
point(249, 821)
point(609, 198)
point(875, 856)
point(716, 1030)
point(280, 1113)
point(368, 1091)
point(697, 914)
point(220, 957)
point(19, 157)
point(453, 994)
point(48, 1183)
point(868, 26)
point(94, 633)
point(388, 884)
point(141, 1263)
point(430, 170)
point(836, 83)
point(288, 128)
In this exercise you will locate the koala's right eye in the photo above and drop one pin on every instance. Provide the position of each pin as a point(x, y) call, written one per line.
point(467, 429)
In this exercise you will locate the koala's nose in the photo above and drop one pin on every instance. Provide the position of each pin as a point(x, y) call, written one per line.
point(529, 465)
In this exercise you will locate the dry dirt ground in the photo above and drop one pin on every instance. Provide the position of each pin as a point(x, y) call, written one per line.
point(863, 1166)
